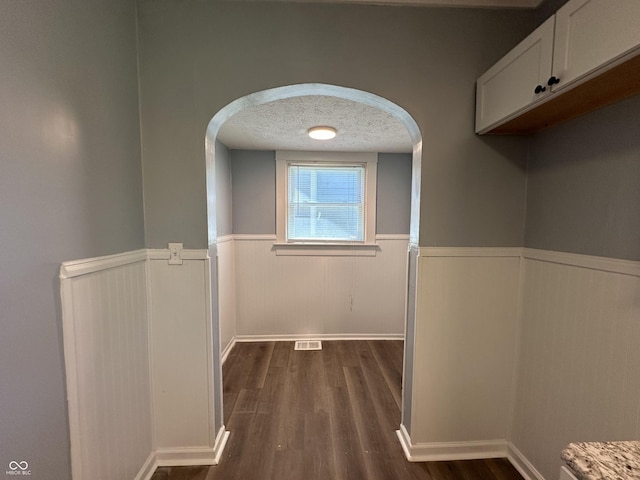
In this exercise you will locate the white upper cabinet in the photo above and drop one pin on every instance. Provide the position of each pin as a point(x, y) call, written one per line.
point(584, 57)
point(518, 80)
point(590, 34)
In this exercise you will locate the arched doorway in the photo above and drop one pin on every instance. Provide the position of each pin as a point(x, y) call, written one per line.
point(280, 93)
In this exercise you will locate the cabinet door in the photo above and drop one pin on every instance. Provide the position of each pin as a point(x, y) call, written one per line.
point(509, 86)
point(591, 34)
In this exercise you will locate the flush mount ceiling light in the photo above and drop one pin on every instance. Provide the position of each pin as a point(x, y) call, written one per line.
point(322, 133)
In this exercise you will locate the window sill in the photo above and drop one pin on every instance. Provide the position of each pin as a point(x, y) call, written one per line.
point(326, 249)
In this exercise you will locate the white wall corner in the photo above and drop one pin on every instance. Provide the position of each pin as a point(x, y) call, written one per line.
point(71, 371)
point(166, 457)
point(152, 407)
point(227, 350)
point(405, 442)
point(225, 239)
point(522, 464)
point(173, 457)
point(148, 469)
point(517, 347)
point(220, 443)
point(443, 451)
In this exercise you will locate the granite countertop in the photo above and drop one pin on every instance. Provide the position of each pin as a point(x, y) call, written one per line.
point(603, 460)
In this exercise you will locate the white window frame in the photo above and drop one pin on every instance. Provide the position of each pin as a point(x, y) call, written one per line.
point(351, 248)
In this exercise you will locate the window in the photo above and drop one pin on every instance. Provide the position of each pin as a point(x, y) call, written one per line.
point(325, 202)
point(326, 199)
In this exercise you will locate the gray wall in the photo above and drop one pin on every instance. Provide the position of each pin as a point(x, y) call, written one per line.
point(223, 190)
point(584, 185)
point(198, 56)
point(393, 207)
point(254, 192)
point(253, 174)
point(70, 187)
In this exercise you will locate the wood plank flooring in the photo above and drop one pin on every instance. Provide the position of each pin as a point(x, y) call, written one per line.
point(321, 415)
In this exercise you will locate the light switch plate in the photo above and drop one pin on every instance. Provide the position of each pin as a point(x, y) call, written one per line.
point(175, 254)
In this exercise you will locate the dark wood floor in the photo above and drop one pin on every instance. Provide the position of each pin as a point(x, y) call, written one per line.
point(320, 415)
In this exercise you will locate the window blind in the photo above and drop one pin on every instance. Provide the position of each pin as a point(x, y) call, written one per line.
point(325, 202)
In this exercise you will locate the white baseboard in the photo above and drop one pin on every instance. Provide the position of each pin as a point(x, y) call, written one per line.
point(319, 336)
point(405, 442)
point(226, 350)
point(427, 452)
point(148, 469)
point(174, 457)
point(439, 451)
point(220, 443)
point(293, 337)
point(187, 456)
point(520, 462)
point(182, 457)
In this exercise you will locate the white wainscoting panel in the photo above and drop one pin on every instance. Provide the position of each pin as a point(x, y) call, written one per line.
point(105, 328)
point(579, 368)
point(315, 295)
point(466, 324)
point(226, 293)
point(181, 374)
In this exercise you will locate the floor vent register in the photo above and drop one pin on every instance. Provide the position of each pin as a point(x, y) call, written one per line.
point(308, 345)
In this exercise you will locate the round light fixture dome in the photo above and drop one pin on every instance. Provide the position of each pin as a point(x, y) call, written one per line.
point(322, 133)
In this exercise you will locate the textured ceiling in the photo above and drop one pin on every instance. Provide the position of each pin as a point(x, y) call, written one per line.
point(283, 125)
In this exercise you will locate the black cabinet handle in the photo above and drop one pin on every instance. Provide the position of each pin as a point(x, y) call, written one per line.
point(553, 81)
point(539, 89)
